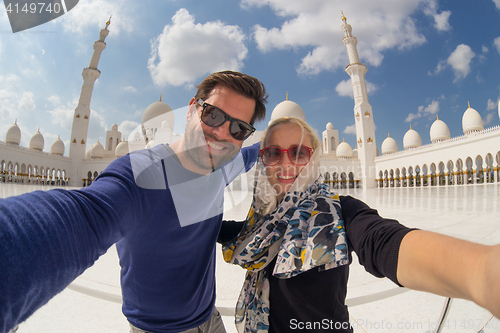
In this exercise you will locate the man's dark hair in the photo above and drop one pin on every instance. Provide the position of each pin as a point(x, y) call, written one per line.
point(243, 84)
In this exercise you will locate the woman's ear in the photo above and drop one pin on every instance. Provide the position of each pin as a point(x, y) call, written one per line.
point(191, 109)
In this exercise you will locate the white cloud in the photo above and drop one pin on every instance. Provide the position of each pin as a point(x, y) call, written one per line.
point(350, 129)
point(97, 129)
point(431, 109)
point(489, 118)
point(54, 100)
point(496, 42)
point(460, 60)
point(185, 51)
point(95, 13)
point(491, 105)
point(378, 26)
point(63, 117)
point(26, 103)
point(412, 116)
point(440, 67)
point(485, 49)
point(497, 3)
point(130, 89)
point(344, 88)
point(126, 127)
point(440, 19)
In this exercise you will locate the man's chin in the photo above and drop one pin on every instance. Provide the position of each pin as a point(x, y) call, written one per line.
point(218, 161)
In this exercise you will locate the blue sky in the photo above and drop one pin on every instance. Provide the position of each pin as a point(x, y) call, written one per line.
point(424, 57)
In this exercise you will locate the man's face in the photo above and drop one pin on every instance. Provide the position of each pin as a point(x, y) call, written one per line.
point(208, 147)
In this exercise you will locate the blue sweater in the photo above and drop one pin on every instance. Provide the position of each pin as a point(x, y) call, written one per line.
point(164, 219)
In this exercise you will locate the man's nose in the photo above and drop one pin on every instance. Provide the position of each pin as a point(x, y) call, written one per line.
point(222, 131)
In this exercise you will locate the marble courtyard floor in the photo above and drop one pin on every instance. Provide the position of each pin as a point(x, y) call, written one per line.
point(92, 302)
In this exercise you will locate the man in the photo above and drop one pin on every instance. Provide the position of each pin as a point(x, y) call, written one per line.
point(143, 202)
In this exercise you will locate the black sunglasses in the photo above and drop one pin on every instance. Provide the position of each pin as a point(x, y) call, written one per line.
point(214, 117)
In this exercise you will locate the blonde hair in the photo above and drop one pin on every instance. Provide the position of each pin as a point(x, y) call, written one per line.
point(295, 121)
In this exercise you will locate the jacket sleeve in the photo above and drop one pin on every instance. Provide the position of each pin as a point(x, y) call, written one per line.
point(375, 240)
point(48, 238)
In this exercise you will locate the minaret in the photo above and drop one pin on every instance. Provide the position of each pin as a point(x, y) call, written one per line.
point(80, 127)
point(365, 127)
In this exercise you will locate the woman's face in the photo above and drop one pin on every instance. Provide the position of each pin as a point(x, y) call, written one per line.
point(282, 175)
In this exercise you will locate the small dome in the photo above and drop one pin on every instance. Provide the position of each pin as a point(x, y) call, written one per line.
point(151, 144)
point(439, 131)
point(344, 150)
point(137, 136)
point(121, 149)
point(288, 109)
point(97, 150)
point(13, 134)
point(165, 124)
point(114, 127)
point(87, 154)
point(158, 112)
point(472, 121)
point(57, 147)
point(412, 139)
point(329, 126)
point(37, 141)
point(389, 146)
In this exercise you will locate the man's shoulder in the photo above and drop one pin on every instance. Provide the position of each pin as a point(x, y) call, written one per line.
point(147, 167)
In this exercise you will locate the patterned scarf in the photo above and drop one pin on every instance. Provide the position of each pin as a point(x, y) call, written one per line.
point(306, 230)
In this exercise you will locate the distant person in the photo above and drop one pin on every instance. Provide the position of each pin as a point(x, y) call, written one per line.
point(298, 237)
point(161, 206)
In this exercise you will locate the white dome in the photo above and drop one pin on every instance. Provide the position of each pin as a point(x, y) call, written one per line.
point(389, 146)
point(13, 134)
point(439, 131)
point(114, 127)
point(412, 139)
point(472, 121)
point(37, 142)
point(97, 150)
point(121, 149)
point(137, 136)
point(288, 109)
point(344, 150)
point(57, 147)
point(151, 144)
point(157, 113)
point(329, 126)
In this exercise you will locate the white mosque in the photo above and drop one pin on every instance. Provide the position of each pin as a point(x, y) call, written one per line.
point(473, 158)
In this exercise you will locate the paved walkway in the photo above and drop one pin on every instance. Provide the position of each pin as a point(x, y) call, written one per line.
point(91, 303)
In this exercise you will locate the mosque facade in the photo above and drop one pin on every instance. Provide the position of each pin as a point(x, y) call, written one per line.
point(473, 158)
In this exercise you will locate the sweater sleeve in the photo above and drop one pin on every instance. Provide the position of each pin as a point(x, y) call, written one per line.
point(250, 155)
point(375, 240)
point(48, 238)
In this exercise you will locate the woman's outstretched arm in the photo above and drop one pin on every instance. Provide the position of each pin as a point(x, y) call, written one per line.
point(451, 267)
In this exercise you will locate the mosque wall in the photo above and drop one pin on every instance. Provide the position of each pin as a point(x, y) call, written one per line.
point(469, 159)
point(90, 169)
point(341, 172)
point(28, 166)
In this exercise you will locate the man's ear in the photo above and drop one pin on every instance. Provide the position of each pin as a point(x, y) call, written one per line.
point(191, 109)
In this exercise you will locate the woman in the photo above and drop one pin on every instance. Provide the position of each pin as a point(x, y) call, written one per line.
point(298, 237)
